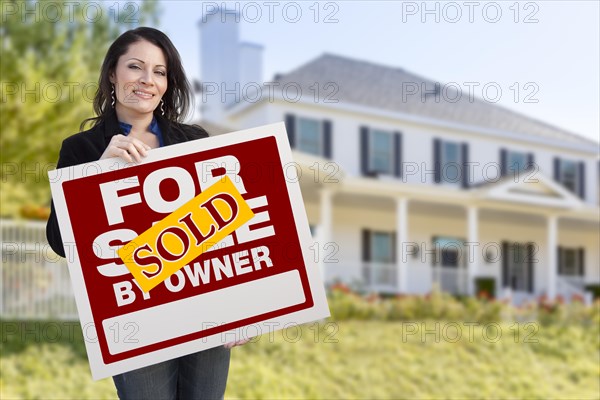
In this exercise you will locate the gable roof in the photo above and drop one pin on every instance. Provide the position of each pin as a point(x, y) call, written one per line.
point(529, 187)
point(373, 85)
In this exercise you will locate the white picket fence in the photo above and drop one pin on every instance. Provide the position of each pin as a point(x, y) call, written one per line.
point(34, 280)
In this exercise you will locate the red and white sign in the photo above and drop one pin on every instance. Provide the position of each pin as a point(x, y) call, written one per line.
point(258, 279)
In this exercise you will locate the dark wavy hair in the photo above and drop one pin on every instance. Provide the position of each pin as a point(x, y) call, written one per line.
point(178, 97)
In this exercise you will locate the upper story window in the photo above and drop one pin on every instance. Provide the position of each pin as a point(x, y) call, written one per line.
point(568, 175)
point(512, 162)
point(381, 155)
point(516, 161)
point(309, 135)
point(450, 161)
point(380, 151)
point(571, 175)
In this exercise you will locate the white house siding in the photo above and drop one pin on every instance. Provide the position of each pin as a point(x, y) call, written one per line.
point(249, 118)
point(417, 146)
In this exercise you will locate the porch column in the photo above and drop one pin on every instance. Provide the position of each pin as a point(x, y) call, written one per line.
point(325, 228)
point(401, 239)
point(552, 261)
point(473, 239)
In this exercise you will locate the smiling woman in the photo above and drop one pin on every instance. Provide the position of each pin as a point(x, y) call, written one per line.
point(140, 80)
point(142, 99)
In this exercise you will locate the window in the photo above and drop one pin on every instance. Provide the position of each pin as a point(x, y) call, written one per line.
point(382, 247)
point(451, 156)
point(450, 160)
point(382, 152)
point(570, 262)
point(571, 174)
point(515, 161)
point(309, 136)
point(568, 175)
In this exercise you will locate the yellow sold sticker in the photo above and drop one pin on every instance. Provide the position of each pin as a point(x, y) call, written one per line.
point(186, 233)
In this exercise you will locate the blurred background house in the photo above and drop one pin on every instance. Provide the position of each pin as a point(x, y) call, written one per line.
point(410, 183)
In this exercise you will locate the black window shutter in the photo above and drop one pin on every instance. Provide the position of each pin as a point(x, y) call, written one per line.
point(398, 154)
point(582, 180)
point(505, 282)
point(559, 260)
point(503, 160)
point(581, 257)
point(530, 160)
point(366, 245)
point(364, 150)
point(437, 153)
point(434, 259)
point(290, 126)
point(394, 247)
point(327, 138)
point(557, 169)
point(465, 165)
point(530, 252)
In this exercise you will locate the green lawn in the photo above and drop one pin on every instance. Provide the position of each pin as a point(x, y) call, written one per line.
point(362, 359)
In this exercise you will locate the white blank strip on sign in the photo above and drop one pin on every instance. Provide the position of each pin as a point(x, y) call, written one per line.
point(194, 314)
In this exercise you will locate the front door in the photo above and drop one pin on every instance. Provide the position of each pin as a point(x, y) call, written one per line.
point(449, 264)
point(517, 266)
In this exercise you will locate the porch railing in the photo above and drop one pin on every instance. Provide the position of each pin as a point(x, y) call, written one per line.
point(452, 280)
point(575, 282)
point(570, 286)
point(381, 277)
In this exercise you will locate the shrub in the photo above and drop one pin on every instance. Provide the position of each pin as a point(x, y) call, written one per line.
point(595, 289)
point(345, 304)
point(485, 287)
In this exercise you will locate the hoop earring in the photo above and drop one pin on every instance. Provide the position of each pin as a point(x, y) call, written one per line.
point(162, 110)
point(112, 96)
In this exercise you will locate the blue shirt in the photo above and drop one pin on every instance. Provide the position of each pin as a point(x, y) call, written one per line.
point(154, 128)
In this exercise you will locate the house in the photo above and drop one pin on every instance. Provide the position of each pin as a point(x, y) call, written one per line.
point(407, 184)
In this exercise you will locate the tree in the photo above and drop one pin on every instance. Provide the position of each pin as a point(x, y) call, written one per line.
point(51, 57)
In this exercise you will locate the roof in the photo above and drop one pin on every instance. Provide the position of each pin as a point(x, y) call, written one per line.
point(373, 85)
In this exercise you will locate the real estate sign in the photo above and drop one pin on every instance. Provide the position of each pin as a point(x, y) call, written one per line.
point(187, 250)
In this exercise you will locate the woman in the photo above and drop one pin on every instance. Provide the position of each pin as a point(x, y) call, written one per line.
point(142, 98)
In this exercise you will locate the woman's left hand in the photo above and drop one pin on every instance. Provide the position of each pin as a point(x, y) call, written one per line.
point(238, 343)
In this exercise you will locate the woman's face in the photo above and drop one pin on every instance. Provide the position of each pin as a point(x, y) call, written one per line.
point(140, 79)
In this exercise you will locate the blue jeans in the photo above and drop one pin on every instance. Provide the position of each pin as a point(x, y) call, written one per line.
point(201, 375)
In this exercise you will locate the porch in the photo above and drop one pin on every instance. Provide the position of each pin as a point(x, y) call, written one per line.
point(454, 238)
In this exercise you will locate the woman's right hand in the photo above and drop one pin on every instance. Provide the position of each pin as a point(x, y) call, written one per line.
point(128, 148)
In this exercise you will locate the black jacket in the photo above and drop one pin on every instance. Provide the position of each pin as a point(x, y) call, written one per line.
point(88, 146)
